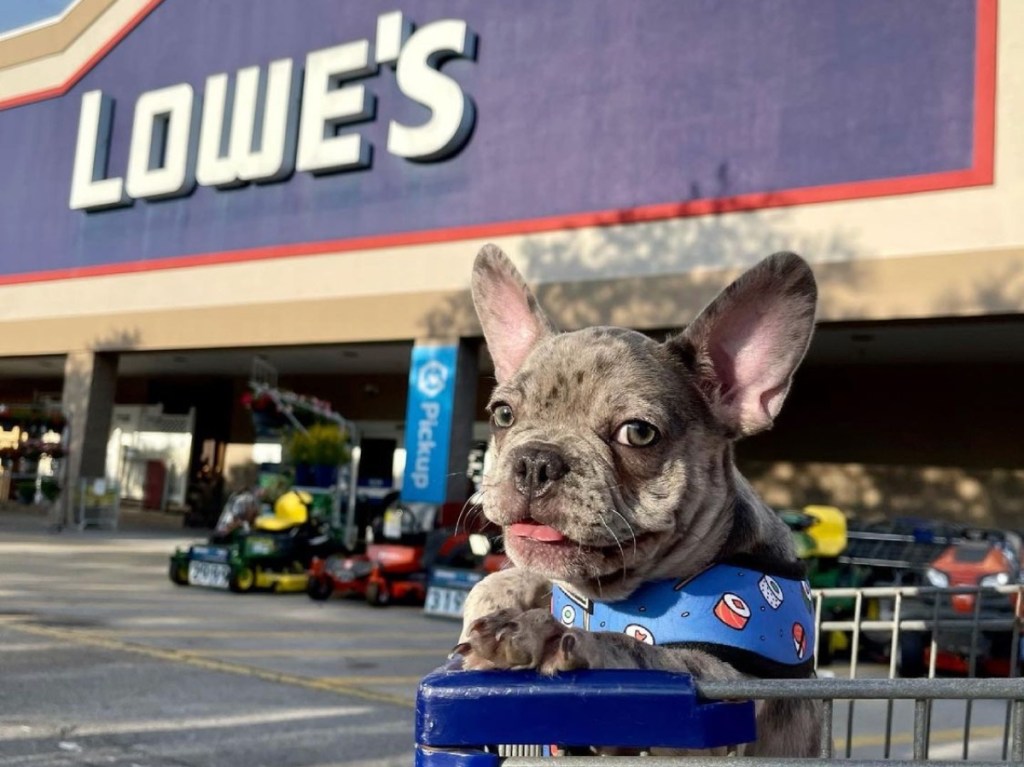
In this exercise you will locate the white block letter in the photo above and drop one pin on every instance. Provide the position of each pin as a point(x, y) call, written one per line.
point(418, 78)
point(213, 168)
point(89, 189)
point(326, 107)
point(393, 29)
point(274, 157)
point(160, 162)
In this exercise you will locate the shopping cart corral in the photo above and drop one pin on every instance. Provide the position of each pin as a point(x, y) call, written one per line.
point(901, 552)
point(872, 717)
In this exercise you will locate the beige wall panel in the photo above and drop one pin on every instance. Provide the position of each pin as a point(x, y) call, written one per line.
point(366, 319)
point(943, 285)
point(945, 253)
point(53, 70)
point(52, 37)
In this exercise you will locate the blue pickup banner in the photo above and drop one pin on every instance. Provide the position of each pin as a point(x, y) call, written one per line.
point(428, 423)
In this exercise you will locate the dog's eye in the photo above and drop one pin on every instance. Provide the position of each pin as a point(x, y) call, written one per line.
point(502, 416)
point(636, 434)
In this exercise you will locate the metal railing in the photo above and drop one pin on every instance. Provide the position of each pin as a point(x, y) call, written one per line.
point(941, 617)
point(923, 692)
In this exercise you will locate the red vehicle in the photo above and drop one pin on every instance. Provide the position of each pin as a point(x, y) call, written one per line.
point(401, 546)
point(985, 559)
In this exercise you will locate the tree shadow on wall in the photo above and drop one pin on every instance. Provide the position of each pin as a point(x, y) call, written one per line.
point(638, 273)
point(982, 497)
point(999, 292)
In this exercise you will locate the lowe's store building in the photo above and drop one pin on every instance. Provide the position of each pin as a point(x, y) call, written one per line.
point(192, 189)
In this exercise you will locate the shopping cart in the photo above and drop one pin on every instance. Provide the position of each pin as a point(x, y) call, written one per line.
point(519, 719)
point(457, 712)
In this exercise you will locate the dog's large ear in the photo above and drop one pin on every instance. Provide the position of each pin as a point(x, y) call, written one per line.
point(513, 323)
point(746, 344)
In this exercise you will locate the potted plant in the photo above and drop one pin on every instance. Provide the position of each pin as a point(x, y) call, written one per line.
point(50, 489)
point(25, 490)
point(31, 452)
point(266, 420)
point(299, 453)
point(317, 453)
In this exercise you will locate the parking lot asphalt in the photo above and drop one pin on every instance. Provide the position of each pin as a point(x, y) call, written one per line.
point(104, 661)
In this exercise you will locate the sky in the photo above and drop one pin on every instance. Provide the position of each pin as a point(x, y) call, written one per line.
point(18, 13)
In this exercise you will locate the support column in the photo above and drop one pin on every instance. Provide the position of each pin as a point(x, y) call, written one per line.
point(440, 409)
point(90, 379)
point(467, 371)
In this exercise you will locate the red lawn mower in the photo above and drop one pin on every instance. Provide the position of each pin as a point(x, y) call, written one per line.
point(401, 545)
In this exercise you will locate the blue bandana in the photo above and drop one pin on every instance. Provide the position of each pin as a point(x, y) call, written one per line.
point(761, 624)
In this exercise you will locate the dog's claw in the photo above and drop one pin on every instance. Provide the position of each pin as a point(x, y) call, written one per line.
point(506, 630)
point(568, 644)
point(461, 649)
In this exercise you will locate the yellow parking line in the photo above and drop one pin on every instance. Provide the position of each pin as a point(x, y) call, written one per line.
point(326, 652)
point(293, 634)
point(951, 735)
point(210, 664)
point(414, 680)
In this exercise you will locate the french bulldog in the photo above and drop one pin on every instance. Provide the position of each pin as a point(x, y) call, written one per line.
point(613, 467)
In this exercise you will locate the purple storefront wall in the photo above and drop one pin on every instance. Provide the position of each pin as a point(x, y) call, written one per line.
point(587, 112)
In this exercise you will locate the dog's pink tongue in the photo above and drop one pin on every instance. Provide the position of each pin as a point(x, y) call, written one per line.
point(536, 531)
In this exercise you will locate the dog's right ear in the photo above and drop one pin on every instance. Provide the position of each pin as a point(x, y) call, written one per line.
point(512, 321)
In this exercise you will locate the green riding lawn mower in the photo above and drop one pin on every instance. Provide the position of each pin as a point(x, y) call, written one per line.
point(265, 552)
point(821, 537)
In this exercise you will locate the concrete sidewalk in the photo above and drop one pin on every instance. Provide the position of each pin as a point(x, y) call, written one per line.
point(16, 518)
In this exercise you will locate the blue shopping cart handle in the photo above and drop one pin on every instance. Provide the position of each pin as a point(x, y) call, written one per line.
point(467, 710)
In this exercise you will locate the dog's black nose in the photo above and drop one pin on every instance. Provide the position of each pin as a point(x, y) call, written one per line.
point(537, 469)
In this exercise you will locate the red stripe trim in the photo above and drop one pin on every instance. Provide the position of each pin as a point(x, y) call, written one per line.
point(980, 174)
point(67, 85)
point(836, 192)
point(985, 47)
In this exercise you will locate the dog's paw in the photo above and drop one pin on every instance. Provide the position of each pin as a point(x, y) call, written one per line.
point(529, 640)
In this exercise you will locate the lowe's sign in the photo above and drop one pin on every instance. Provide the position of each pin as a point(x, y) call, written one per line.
point(428, 423)
point(552, 116)
point(261, 124)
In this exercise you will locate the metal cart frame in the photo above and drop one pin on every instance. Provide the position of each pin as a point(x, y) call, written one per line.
point(468, 720)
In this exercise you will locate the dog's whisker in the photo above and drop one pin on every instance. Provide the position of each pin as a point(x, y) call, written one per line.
point(619, 500)
point(469, 508)
point(629, 527)
point(470, 520)
point(622, 554)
